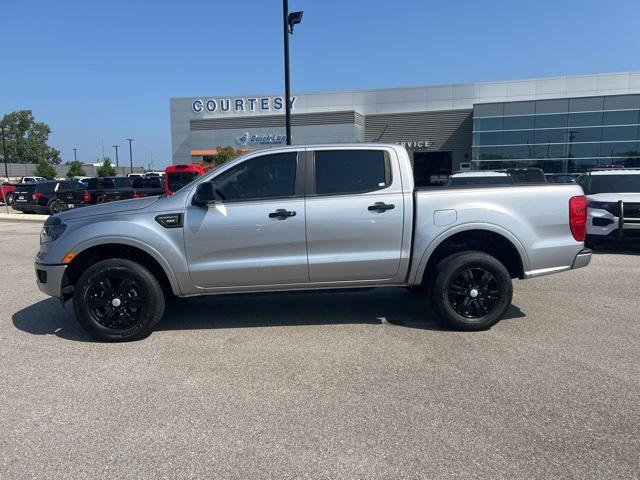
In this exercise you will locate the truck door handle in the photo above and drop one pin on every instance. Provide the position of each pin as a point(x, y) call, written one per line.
point(281, 213)
point(381, 207)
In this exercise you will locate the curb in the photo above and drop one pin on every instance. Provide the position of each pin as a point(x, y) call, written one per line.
point(22, 217)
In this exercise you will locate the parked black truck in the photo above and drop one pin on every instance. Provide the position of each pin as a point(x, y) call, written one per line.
point(92, 191)
point(140, 187)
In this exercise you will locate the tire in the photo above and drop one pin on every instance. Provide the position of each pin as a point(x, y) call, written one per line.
point(471, 290)
point(53, 207)
point(139, 295)
point(9, 199)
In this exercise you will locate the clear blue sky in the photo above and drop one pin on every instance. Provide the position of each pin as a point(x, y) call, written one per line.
point(104, 71)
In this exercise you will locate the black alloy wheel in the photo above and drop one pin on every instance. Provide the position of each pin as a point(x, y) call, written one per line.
point(473, 293)
point(114, 302)
point(471, 290)
point(118, 300)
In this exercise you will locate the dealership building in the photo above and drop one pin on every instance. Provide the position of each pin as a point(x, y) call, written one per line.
point(559, 124)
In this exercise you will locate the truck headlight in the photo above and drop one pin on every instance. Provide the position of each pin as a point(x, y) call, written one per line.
point(52, 230)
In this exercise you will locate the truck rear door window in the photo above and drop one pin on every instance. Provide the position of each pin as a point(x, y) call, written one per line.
point(339, 172)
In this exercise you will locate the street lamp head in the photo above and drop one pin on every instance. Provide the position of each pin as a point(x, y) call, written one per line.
point(294, 19)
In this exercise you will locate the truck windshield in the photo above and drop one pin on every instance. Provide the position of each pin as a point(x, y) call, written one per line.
point(614, 184)
point(177, 180)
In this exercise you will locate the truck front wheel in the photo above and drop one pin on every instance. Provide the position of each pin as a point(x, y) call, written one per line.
point(118, 300)
point(471, 290)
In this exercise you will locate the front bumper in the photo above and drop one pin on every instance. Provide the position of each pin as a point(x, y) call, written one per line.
point(583, 258)
point(50, 278)
point(605, 225)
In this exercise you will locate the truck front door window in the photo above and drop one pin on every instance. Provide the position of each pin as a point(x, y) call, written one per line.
point(269, 176)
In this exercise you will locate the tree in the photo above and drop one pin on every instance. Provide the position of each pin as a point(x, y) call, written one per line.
point(44, 169)
point(26, 139)
point(106, 169)
point(75, 169)
point(224, 155)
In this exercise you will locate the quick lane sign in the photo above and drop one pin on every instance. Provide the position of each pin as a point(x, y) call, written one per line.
point(248, 104)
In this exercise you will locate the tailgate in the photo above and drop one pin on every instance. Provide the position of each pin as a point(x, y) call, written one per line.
point(71, 196)
point(115, 195)
point(24, 193)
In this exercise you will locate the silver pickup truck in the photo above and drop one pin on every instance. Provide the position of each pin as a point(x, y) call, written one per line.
point(305, 218)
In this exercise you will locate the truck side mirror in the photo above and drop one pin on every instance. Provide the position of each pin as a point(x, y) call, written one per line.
point(205, 194)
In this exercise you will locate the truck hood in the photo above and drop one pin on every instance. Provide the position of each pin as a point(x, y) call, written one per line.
point(122, 206)
point(614, 197)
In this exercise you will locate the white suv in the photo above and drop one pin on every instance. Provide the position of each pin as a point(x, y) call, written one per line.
point(614, 204)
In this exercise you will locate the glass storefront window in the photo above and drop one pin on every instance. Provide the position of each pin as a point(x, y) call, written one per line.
point(564, 135)
point(550, 151)
point(620, 133)
point(581, 165)
point(493, 123)
point(551, 121)
point(487, 153)
point(578, 150)
point(585, 134)
point(625, 117)
point(517, 151)
point(585, 119)
point(487, 138)
point(550, 136)
point(517, 137)
point(619, 149)
point(516, 123)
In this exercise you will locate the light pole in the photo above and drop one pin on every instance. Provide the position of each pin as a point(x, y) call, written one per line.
point(130, 154)
point(75, 154)
point(4, 155)
point(288, 20)
point(117, 161)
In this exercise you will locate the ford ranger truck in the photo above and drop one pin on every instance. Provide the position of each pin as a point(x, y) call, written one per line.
point(310, 218)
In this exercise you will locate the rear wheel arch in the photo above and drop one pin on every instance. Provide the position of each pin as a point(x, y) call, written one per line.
point(508, 251)
point(93, 254)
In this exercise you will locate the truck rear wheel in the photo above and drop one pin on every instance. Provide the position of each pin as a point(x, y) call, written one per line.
point(53, 207)
point(118, 300)
point(472, 290)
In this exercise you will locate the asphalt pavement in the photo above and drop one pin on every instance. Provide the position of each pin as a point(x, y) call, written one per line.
point(364, 384)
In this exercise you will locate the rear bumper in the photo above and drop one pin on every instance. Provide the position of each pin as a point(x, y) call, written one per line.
point(29, 207)
point(70, 206)
point(49, 279)
point(583, 258)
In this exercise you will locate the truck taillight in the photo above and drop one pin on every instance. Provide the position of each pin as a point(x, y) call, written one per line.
point(86, 197)
point(36, 195)
point(578, 217)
